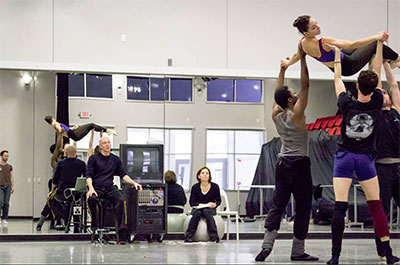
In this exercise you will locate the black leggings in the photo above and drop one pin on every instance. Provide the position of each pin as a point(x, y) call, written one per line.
point(354, 60)
point(208, 214)
point(292, 176)
point(82, 130)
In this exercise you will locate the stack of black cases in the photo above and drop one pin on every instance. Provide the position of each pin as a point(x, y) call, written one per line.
point(147, 211)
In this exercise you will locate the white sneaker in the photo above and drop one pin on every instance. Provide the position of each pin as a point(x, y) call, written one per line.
point(5, 221)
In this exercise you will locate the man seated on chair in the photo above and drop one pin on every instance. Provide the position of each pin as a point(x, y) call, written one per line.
point(101, 169)
point(65, 175)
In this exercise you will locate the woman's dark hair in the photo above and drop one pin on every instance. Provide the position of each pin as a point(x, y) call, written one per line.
point(367, 82)
point(281, 96)
point(301, 23)
point(199, 171)
point(48, 119)
point(170, 177)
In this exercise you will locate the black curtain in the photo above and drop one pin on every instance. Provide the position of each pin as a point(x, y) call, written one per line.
point(322, 149)
point(62, 100)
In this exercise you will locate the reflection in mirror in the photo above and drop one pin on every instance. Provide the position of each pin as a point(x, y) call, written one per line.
point(117, 105)
point(195, 125)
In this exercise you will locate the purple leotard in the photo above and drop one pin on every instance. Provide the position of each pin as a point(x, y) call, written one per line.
point(65, 127)
point(326, 56)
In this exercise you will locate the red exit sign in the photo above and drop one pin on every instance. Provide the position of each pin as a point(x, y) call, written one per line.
point(84, 115)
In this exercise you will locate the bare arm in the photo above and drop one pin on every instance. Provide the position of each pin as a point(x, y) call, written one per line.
point(377, 62)
point(394, 87)
point(12, 181)
point(57, 150)
point(289, 61)
point(90, 150)
point(345, 44)
point(339, 85)
point(301, 104)
point(276, 109)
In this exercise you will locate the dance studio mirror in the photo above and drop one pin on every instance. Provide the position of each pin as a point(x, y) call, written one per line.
point(197, 127)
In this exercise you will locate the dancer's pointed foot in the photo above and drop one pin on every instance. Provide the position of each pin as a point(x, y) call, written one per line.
point(111, 131)
point(395, 64)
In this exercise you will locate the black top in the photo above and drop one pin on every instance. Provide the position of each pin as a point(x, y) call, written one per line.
point(176, 196)
point(67, 171)
point(102, 169)
point(197, 197)
point(359, 123)
point(388, 131)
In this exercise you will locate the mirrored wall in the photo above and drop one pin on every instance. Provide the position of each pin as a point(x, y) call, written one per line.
point(219, 123)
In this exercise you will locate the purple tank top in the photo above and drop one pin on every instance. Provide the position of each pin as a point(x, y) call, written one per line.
point(325, 56)
point(65, 127)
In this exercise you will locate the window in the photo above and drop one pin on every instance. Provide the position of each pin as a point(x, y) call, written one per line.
point(220, 90)
point(181, 89)
point(138, 88)
point(232, 156)
point(76, 85)
point(98, 86)
point(248, 90)
point(229, 90)
point(159, 89)
point(90, 85)
point(177, 148)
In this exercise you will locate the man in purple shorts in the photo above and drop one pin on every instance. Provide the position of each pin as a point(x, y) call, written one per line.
point(356, 151)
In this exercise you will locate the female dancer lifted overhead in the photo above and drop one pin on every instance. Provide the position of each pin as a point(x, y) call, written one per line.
point(354, 55)
point(77, 132)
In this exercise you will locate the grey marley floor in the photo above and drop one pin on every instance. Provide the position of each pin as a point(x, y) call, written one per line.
point(176, 252)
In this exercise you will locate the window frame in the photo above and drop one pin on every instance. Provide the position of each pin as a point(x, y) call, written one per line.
point(234, 93)
point(166, 163)
point(85, 89)
point(234, 150)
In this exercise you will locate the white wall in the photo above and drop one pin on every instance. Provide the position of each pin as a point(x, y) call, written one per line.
point(209, 37)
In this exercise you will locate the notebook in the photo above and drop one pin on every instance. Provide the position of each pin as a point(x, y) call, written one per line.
point(80, 185)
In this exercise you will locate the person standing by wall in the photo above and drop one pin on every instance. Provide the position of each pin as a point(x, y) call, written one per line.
point(6, 185)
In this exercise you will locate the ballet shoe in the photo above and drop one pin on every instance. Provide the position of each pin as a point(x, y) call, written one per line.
point(111, 131)
point(304, 257)
point(333, 260)
point(263, 254)
point(394, 64)
point(392, 260)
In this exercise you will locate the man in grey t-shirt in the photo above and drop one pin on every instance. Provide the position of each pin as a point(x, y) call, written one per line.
point(6, 185)
point(292, 172)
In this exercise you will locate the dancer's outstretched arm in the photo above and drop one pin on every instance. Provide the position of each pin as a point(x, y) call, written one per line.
point(289, 61)
point(90, 150)
point(377, 62)
point(301, 104)
point(276, 109)
point(394, 87)
point(345, 44)
point(57, 150)
point(339, 85)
